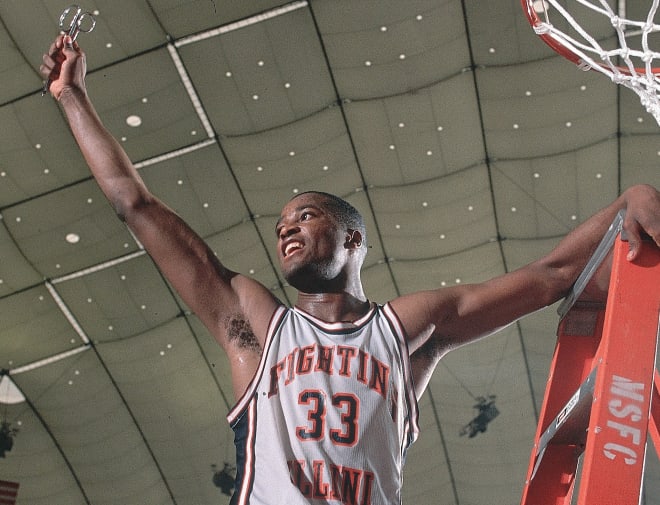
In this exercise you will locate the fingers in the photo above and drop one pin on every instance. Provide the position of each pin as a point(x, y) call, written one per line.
point(642, 218)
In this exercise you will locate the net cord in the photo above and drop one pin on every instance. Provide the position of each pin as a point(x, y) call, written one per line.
point(590, 55)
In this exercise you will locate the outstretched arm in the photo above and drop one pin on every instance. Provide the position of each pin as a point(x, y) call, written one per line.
point(221, 298)
point(461, 314)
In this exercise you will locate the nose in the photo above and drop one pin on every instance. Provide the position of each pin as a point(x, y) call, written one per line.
point(287, 230)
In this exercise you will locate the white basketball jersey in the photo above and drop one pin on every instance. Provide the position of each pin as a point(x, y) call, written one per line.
point(329, 414)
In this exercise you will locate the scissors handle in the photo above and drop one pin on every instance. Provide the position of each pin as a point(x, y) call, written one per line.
point(79, 22)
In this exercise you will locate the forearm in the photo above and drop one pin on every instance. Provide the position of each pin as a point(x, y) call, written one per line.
point(107, 160)
point(571, 255)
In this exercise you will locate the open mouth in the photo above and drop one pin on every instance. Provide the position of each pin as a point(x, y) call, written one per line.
point(292, 247)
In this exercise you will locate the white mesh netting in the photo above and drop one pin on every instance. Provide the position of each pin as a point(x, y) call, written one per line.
point(629, 61)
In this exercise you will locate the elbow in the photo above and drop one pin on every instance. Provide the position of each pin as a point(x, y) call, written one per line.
point(128, 204)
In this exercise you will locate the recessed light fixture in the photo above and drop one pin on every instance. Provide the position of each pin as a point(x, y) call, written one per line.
point(134, 120)
point(72, 238)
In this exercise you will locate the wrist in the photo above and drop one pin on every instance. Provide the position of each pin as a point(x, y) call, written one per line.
point(71, 94)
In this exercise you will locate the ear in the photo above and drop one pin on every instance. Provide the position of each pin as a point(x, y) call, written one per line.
point(353, 239)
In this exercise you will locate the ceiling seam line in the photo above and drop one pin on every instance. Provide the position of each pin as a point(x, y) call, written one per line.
point(528, 371)
point(92, 345)
point(184, 312)
point(351, 141)
point(443, 442)
point(234, 177)
point(55, 442)
point(135, 422)
point(489, 168)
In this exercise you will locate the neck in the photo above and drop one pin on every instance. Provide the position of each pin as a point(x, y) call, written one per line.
point(334, 307)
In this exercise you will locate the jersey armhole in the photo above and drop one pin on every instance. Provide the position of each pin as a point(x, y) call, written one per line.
point(399, 331)
point(237, 410)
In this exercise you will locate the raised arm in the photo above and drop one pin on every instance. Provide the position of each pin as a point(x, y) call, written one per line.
point(461, 314)
point(222, 299)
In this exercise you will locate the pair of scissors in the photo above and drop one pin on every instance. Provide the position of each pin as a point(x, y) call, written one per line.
point(80, 21)
point(73, 21)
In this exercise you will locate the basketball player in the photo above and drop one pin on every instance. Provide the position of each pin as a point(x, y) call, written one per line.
point(326, 391)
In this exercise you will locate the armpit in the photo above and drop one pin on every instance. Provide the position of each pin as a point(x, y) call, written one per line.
point(239, 333)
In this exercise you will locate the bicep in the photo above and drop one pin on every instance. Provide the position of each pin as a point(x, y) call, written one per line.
point(462, 314)
point(212, 291)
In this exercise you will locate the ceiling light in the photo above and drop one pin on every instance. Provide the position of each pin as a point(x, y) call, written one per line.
point(72, 238)
point(133, 120)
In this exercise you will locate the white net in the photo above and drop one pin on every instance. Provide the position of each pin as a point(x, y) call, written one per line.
point(599, 38)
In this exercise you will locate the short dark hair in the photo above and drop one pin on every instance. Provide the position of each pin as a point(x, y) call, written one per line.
point(343, 212)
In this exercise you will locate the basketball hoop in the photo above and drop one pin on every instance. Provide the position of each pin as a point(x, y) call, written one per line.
point(595, 37)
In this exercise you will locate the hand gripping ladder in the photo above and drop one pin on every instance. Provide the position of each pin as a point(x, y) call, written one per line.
point(602, 399)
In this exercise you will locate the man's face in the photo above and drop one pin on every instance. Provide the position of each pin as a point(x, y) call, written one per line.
point(310, 242)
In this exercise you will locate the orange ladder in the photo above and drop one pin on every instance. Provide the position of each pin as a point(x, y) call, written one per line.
point(602, 398)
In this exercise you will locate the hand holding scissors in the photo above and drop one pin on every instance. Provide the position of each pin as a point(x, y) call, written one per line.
point(73, 21)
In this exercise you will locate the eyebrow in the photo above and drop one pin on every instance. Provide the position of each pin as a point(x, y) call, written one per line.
point(300, 209)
